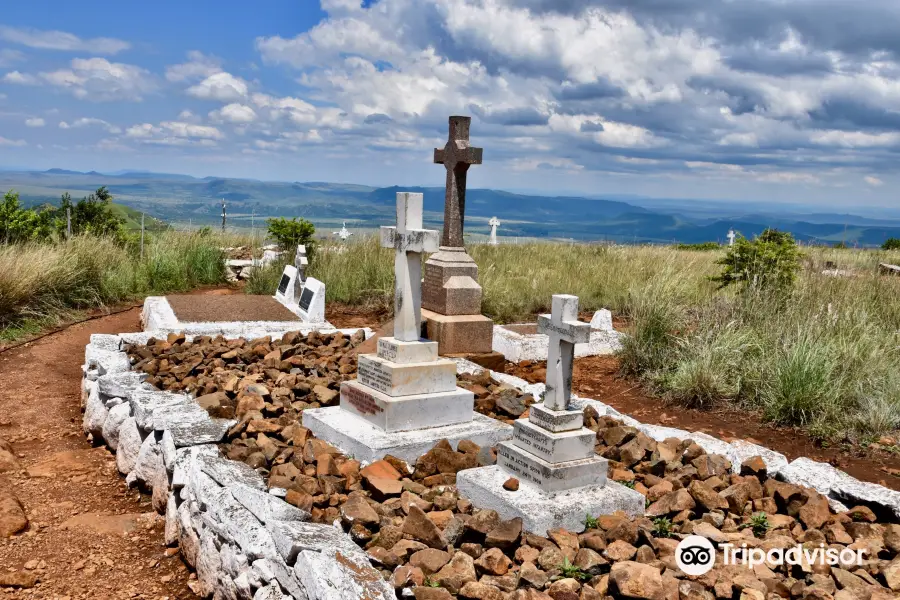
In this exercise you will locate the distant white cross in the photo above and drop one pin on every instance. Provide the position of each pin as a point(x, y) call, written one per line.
point(494, 223)
point(565, 330)
point(344, 233)
point(409, 241)
point(731, 237)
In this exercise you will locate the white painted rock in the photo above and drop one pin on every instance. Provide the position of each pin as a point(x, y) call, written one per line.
point(270, 592)
point(265, 506)
point(129, 446)
point(120, 384)
point(147, 463)
point(95, 414)
point(327, 576)
point(602, 320)
point(114, 420)
point(742, 450)
point(172, 532)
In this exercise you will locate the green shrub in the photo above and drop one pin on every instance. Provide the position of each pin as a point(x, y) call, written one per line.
point(891, 244)
point(770, 261)
point(289, 233)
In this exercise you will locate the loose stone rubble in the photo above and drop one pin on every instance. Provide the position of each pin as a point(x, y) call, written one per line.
point(345, 530)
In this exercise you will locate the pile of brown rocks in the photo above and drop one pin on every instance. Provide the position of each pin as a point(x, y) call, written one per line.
point(434, 544)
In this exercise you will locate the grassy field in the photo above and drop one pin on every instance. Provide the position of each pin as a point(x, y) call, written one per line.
point(42, 285)
point(823, 357)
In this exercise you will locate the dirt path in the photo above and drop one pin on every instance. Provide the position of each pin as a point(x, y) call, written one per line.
point(89, 536)
point(597, 377)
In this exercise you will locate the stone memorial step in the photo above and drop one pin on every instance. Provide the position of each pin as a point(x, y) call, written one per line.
point(406, 379)
point(553, 447)
point(551, 477)
point(406, 413)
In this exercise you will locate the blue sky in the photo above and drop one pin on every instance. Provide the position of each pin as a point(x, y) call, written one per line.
point(759, 99)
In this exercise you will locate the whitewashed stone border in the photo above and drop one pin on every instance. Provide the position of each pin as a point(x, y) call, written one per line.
point(157, 317)
point(516, 347)
point(841, 489)
point(244, 542)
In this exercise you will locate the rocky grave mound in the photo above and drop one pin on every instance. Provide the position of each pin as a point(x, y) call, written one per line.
point(434, 544)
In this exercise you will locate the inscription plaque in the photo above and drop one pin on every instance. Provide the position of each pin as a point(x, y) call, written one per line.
point(370, 374)
point(306, 297)
point(283, 285)
point(361, 401)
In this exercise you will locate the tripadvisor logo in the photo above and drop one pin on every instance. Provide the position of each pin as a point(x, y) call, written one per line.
point(696, 555)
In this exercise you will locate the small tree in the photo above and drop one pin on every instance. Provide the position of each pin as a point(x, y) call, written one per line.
point(770, 261)
point(93, 214)
point(20, 224)
point(891, 244)
point(288, 233)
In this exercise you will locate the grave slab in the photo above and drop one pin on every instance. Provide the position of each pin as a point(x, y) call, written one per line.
point(159, 319)
point(541, 511)
point(368, 443)
point(559, 446)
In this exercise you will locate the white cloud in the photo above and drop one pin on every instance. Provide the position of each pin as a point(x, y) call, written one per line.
point(61, 40)
point(223, 87)
point(20, 78)
point(199, 66)
point(873, 181)
point(90, 122)
point(99, 80)
point(7, 142)
point(240, 114)
point(35, 122)
point(175, 133)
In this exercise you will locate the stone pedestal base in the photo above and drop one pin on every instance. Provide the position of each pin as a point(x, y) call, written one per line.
point(458, 334)
point(367, 443)
point(407, 413)
point(451, 283)
point(541, 511)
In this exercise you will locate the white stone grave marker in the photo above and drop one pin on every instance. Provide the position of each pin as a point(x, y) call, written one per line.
point(552, 453)
point(494, 223)
point(405, 397)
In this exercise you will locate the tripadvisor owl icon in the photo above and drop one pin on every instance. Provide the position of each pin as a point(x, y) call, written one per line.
point(695, 555)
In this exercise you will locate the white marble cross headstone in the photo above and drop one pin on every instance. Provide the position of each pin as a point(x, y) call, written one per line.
point(494, 223)
point(731, 237)
point(409, 241)
point(344, 233)
point(565, 330)
point(301, 261)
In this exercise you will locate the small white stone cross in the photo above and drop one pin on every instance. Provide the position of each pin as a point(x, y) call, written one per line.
point(731, 237)
point(344, 233)
point(301, 261)
point(410, 241)
point(494, 223)
point(565, 330)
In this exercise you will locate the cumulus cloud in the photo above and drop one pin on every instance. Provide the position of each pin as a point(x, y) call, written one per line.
point(90, 122)
point(199, 66)
point(222, 86)
point(239, 114)
point(873, 181)
point(17, 78)
point(35, 122)
point(785, 90)
point(99, 80)
point(175, 133)
point(8, 142)
point(61, 40)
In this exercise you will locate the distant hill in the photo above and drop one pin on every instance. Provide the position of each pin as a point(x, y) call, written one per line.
point(632, 219)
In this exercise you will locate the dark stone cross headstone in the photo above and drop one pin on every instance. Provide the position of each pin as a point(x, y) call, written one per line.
point(457, 156)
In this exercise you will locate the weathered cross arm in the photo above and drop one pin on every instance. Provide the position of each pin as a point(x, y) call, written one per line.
point(574, 332)
point(462, 153)
point(411, 240)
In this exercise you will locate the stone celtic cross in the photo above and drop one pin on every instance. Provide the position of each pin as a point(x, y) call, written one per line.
point(494, 223)
point(457, 156)
point(565, 330)
point(409, 241)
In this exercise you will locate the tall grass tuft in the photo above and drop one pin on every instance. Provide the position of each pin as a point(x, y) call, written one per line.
point(43, 284)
